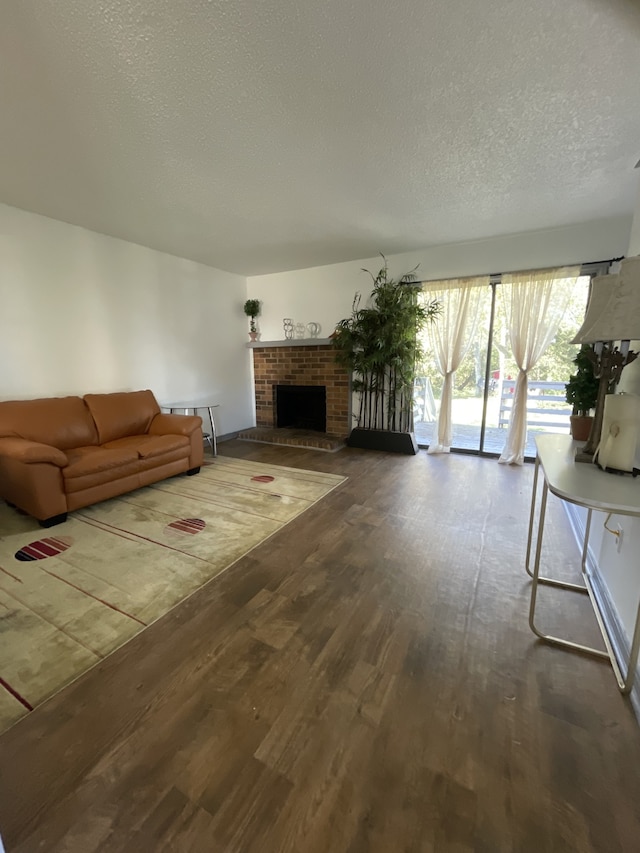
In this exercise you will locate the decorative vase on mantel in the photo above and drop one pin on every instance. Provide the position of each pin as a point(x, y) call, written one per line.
point(253, 337)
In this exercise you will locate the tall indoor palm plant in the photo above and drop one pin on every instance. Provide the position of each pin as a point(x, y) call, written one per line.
point(380, 345)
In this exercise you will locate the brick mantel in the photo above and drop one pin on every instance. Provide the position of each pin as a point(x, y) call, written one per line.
point(300, 362)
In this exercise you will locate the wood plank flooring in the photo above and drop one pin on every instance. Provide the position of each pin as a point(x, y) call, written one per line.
point(363, 682)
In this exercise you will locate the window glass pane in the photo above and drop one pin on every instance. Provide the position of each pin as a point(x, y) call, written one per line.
point(547, 409)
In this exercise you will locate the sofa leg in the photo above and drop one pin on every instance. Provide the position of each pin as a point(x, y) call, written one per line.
point(55, 519)
point(193, 471)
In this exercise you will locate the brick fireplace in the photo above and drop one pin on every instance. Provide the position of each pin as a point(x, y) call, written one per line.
point(300, 363)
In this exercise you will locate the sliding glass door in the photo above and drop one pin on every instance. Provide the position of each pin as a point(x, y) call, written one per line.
point(467, 405)
point(484, 383)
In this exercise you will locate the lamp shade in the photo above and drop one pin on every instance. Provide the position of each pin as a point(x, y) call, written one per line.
point(602, 286)
point(613, 313)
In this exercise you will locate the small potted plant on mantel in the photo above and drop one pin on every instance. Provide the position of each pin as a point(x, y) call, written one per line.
point(582, 393)
point(252, 309)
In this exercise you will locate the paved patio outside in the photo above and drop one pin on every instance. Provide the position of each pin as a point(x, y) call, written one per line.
point(467, 437)
point(467, 415)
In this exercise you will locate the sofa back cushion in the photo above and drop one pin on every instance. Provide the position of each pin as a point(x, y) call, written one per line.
point(62, 422)
point(122, 414)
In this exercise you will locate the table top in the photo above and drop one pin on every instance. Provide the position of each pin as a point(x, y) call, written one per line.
point(190, 404)
point(583, 483)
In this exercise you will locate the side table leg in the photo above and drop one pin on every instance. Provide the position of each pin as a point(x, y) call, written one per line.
point(214, 441)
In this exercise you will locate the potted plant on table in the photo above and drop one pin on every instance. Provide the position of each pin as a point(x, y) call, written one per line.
point(582, 393)
point(252, 310)
point(380, 345)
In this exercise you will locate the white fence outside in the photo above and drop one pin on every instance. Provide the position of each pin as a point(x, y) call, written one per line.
point(546, 404)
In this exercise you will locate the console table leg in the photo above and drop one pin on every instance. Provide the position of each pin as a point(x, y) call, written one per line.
point(577, 587)
point(534, 493)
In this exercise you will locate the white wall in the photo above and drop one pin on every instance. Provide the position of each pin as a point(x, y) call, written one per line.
point(621, 570)
point(634, 239)
point(630, 381)
point(324, 294)
point(82, 312)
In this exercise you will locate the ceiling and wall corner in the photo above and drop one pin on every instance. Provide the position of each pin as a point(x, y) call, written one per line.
point(261, 137)
point(324, 294)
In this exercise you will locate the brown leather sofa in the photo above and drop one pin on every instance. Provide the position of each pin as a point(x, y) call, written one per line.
point(62, 453)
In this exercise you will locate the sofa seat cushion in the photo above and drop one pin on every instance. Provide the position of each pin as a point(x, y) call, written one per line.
point(91, 460)
point(151, 446)
point(94, 466)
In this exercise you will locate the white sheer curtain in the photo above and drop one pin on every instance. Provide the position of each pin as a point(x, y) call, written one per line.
point(451, 335)
point(535, 302)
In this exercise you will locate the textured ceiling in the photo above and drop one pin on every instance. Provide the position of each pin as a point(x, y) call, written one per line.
point(263, 135)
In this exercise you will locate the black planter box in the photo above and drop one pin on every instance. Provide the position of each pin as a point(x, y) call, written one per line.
point(380, 439)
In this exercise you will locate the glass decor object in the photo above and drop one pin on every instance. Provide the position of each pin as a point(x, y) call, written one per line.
point(287, 324)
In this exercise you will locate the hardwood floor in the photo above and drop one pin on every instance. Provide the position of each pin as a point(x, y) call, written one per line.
point(363, 681)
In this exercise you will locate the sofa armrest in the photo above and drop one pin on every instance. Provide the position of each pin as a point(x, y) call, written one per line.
point(23, 450)
point(175, 424)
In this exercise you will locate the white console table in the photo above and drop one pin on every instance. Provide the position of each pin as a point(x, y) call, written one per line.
point(587, 486)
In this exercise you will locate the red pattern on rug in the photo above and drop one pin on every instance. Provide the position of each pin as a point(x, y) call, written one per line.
point(187, 525)
point(15, 694)
point(43, 548)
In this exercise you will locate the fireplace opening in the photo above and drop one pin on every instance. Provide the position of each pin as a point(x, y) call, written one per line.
point(301, 407)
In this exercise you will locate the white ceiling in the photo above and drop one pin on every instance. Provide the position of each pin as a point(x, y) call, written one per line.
point(264, 135)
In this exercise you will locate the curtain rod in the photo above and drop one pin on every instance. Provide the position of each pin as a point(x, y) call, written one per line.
point(585, 268)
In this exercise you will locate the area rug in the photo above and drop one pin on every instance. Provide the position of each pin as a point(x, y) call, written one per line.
point(72, 594)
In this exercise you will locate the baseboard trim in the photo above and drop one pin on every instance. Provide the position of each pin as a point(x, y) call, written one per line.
point(619, 640)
